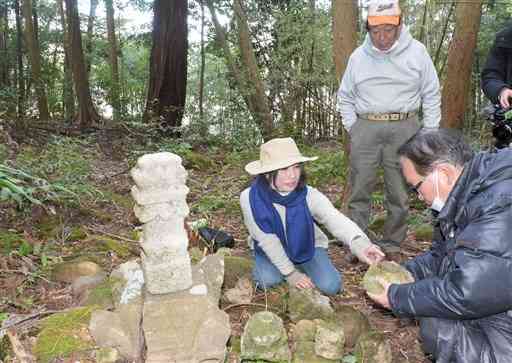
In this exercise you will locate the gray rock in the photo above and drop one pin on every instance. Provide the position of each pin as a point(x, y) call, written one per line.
point(264, 338)
point(309, 304)
point(329, 340)
point(184, 328)
point(120, 329)
point(242, 293)
point(128, 282)
point(83, 283)
point(210, 272)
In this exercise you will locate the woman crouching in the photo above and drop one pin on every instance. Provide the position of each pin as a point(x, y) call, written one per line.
point(282, 214)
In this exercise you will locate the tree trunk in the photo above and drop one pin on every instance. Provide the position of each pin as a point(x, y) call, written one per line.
point(201, 70)
point(168, 64)
point(35, 61)
point(114, 90)
point(344, 24)
point(256, 88)
point(344, 33)
point(4, 57)
point(460, 63)
point(68, 96)
point(87, 114)
point(19, 60)
point(90, 27)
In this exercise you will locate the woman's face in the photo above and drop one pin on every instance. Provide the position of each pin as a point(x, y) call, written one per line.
point(287, 179)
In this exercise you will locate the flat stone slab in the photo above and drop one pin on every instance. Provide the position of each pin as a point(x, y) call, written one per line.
point(184, 328)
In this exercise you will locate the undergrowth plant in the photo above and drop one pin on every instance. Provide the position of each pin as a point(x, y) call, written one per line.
point(21, 187)
point(66, 164)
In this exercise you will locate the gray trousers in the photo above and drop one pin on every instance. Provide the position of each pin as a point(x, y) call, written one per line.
point(374, 144)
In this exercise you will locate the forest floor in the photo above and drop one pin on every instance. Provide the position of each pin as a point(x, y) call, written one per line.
point(216, 177)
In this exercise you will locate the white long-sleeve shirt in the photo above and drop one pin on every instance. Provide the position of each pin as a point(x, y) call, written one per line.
point(399, 80)
point(322, 211)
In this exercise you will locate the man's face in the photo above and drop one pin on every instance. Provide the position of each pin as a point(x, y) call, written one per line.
point(423, 185)
point(384, 36)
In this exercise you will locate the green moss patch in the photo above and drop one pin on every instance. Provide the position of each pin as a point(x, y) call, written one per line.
point(102, 295)
point(63, 334)
point(10, 241)
point(121, 249)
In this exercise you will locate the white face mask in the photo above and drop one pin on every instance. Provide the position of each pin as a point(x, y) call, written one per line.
point(437, 203)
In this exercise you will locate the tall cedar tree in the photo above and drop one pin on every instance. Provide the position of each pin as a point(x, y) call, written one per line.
point(35, 60)
point(168, 63)
point(456, 86)
point(87, 114)
point(4, 59)
point(344, 30)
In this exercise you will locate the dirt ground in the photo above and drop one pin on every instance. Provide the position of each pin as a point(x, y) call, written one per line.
point(24, 291)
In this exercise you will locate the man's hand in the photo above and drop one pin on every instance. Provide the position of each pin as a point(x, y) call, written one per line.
point(382, 299)
point(299, 280)
point(372, 254)
point(505, 97)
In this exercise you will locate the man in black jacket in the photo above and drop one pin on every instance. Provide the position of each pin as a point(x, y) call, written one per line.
point(462, 292)
point(497, 73)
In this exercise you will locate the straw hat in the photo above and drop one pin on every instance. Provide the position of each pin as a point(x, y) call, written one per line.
point(383, 12)
point(277, 154)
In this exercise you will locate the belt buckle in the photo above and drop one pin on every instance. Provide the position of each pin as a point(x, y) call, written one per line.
point(395, 116)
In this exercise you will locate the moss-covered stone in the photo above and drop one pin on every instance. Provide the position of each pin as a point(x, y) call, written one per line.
point(234, 268)
point(102, 295)
point(354, 323)
point(309, 304)
point(373, 347)
point(63, 334)
point(70, 271)
point(265, 338)
point(388, 271)
point(424, 232)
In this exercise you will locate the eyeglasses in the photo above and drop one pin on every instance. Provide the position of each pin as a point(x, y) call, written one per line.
point(416, 188)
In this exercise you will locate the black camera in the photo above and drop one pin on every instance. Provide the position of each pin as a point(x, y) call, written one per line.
point(501, 120)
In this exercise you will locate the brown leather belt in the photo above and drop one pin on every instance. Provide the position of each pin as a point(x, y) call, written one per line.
point(392, 116)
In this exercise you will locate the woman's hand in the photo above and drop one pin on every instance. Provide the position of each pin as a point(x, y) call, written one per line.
point(299, 280)
point(372, 254)
point(382, 298)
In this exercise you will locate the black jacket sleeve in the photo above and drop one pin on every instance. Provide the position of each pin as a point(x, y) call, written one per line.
point(478, 283)
point(427, 264)
point(494, 74)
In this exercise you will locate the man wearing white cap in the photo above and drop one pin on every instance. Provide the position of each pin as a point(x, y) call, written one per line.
point(387, 80)
point(282, 214)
